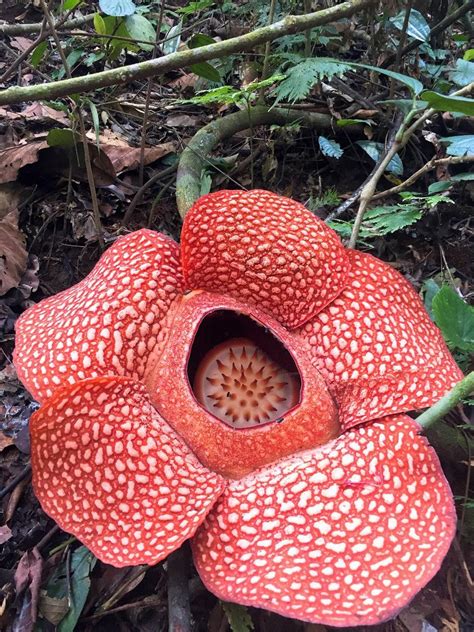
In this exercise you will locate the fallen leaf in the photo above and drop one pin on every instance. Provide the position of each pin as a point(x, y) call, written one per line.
point(14, 157)
point(182, 120)
point(125, 158)
point(4, 443)
point(21, 43)
point(27, 586)
point(13, 255)
point(5, 533)
point(40, 111)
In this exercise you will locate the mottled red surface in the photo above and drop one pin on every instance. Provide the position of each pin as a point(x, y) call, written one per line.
point(343, 530)
point(265, 250)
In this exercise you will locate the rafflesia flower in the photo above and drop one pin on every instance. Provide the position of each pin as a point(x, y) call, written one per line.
point(248, 393)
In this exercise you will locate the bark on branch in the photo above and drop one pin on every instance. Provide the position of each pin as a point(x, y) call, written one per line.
point(143, 70)
point(195, 156)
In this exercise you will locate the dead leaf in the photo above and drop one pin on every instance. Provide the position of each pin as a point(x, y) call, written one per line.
point(5, 533)
point(13, 158)
point(4, 443)
point(40, 111)
point(27, 586)
point(182, 120)
point(21, 43)
point(13, 255)
point(183, 82)
point(52, 609)
point(9, 115)
point(126, 158)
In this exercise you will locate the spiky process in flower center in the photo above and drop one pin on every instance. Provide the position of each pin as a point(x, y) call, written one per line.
point(240, 384)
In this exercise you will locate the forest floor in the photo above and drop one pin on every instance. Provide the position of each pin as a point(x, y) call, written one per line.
point(53, 217)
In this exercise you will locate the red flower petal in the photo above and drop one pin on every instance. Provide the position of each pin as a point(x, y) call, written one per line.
point(344, 535)
point(376, 346)
point(109, 470)
point(263, 249)
point(108, 324)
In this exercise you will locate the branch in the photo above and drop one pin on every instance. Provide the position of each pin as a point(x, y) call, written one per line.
point(437, 28)
point(432, 164)
point(143, 70)
point(35, 27)
point(462, 390)
point(195, 156)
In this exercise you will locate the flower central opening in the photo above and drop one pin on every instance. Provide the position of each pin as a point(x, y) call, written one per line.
point(240, 372)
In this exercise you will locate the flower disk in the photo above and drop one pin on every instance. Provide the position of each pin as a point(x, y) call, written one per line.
point(263, 249)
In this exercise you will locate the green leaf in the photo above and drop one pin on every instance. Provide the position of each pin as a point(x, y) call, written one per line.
point(455, 318)
point(238, 617)
point(463, 74)
point(430, 288)
point(469, 54)
point(462, 177)
point(38, 54)
point(375, 151)
point(330, 147)
point(99, 24)
point(415, 86)
point(95, 122)
point(442, 185)
point(445, 103)
point(194, 7)
point(173, 39)
point(406, 105)
point(205, 70)
point(69, 5)
point(117, 8)
point(140, 28)
point(200, 40)
point(302, 77)
point(353, 121)
point(384, 220)
point(459, 145)
point(59, 137)
point(82, 564)
point(418, 27)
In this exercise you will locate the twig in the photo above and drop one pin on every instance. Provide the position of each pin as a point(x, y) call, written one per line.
point(141, 191)
point(342, 208)
point(35, 27)
point(368, 190)
point(12, 484)
point(266, 58)
point(194, 156)
point(437, 28)
point(401, 43)
point(462, 390)
point(432, 164)
point(148, 97)
point(179, 612)
point(404, 134)
point(181, 59)
point(85, 144)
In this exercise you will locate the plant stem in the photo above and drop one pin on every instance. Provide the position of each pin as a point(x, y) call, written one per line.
point(462, 389)
point(181, 59)
point(194, 157)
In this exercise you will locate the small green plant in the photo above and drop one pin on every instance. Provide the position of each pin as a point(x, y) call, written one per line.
point(387, 219)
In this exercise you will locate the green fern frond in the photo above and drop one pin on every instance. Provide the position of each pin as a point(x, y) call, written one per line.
point(302, 77)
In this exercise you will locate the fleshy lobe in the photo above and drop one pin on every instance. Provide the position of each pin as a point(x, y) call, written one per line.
point(265, 250)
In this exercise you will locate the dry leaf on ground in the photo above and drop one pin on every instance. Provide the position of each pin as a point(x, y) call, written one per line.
point(13, 255)
point(13, 158)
